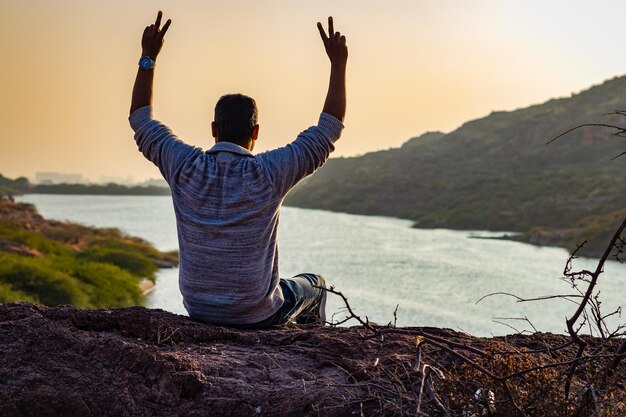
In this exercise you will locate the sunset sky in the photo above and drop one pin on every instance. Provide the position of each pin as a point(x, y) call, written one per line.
point(67, 69)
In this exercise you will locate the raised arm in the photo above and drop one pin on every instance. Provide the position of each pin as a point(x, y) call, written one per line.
point(151, 44)
point(312, 147)
point(337, 51)
point(155, 140)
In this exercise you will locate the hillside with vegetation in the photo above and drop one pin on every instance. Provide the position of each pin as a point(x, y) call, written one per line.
point(496, 173)
point(13, 187)
point(52, 262)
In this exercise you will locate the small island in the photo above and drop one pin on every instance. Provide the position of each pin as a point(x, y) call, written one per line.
point(52, 262)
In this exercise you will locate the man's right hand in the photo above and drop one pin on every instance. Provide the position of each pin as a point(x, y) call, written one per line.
point(152, 39)
point(334, 43)
point(151, 44)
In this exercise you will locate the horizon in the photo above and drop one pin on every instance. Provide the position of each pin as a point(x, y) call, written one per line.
point(73, 109)
point(129, 180)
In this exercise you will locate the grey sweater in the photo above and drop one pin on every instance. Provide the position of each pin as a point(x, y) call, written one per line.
point(227, 204)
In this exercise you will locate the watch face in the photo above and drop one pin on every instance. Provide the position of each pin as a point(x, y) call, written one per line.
point(145, 62)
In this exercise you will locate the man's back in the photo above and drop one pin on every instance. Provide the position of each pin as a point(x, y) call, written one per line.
point(227, 204)
point(227, 215)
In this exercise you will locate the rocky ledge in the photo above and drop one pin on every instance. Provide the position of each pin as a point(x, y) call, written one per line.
point(64, 361)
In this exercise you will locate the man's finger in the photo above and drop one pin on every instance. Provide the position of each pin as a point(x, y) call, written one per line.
point(331, 27)
point(166, 26)
point(343, 39)
point(322, 33)
point(157, 24)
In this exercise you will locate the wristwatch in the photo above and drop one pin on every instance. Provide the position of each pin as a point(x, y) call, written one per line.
point(146, 63)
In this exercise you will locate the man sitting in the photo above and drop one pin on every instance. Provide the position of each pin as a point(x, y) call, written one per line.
point(227, 200)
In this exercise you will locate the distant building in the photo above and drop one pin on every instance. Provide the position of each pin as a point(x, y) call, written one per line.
point(154, 182)
point(58, 178)
point(108, 179)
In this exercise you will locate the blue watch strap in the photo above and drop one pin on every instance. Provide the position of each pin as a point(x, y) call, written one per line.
point(146, 63)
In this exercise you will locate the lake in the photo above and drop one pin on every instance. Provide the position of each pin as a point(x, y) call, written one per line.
point(434, 276)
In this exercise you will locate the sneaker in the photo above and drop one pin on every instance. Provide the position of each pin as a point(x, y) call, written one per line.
point(316, 316)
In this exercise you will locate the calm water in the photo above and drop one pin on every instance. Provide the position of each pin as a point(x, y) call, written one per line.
point(435, 276)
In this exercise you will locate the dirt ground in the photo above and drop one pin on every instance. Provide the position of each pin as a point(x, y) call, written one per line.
point(64, 361)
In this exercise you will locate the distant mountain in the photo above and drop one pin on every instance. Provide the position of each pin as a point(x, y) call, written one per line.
point(494, 173)
point(13, 187)
point(98, 189)
point(23, 186)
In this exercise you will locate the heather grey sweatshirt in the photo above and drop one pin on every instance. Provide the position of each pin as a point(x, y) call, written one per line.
point(227, 204)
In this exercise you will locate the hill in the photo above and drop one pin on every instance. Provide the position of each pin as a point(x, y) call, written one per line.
point(13, 187)
point(52, 262)
point(494, 173)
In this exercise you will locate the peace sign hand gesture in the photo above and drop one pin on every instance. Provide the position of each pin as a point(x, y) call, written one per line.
point(335, 43)
point(152, 39)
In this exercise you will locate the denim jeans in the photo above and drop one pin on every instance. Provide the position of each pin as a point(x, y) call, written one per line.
point(301, 298)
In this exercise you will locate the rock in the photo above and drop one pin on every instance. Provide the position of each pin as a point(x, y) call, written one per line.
point(19, 249)
point(64, 361)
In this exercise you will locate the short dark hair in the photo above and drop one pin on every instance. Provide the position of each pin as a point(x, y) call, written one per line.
point(235, 117)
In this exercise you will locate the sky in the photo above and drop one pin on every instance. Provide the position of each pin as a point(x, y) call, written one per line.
point(68, 66)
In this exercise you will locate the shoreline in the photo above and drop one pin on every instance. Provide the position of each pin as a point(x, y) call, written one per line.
point(538, 237)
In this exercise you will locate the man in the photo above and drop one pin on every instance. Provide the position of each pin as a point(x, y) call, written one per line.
point(227, 200)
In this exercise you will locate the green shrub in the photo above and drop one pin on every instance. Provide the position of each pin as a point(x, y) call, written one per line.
point(8, 294)
point(131, 254)
point(67, 280)
point(132, 261)
point(13, 232)
point(35, 277)
point(105, 285)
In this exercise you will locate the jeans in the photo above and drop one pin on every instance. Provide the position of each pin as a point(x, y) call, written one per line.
point(301, 299)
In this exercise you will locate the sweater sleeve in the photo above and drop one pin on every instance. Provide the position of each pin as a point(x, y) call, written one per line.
point(290, 164)
point(159, 145)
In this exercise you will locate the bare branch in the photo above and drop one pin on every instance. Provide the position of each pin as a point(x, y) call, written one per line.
point(620, 129)
point(523, 300)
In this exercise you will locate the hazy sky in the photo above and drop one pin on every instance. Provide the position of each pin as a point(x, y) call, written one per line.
point(67, 69)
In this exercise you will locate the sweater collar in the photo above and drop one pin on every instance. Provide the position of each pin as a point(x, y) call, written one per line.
point(229, 147)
